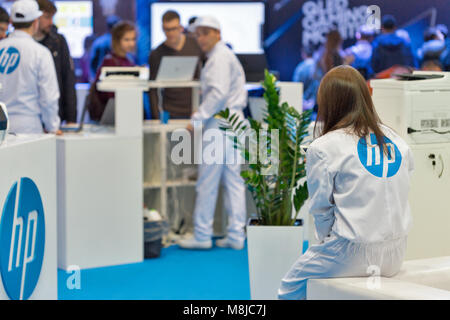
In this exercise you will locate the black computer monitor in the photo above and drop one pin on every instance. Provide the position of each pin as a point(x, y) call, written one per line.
point(254, 66)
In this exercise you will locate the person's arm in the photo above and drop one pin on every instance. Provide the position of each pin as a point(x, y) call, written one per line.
point(69, 95)
point(154, 61)
point(320, 189)
point(298, 75)
point(217, 76)
point(412, 61)
point(95, 56)
point(48, 92)
point(374, 61)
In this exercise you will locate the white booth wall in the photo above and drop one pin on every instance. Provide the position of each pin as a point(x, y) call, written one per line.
point(29, 164)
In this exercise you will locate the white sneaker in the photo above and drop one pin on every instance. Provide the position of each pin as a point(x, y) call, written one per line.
point(194, 244)
point(228, 243)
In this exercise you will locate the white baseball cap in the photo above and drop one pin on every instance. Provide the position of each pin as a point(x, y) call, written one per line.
point(207, 21)
point(25, 11)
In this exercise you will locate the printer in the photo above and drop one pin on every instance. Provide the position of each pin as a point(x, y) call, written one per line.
point(416, 106)
point(137, 75)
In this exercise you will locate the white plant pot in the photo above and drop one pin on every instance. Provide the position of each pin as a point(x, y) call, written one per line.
point(272, 251)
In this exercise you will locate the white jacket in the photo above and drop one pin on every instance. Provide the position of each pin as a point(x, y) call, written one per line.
point(222, 83)
point(355, 190)
point(29, 84)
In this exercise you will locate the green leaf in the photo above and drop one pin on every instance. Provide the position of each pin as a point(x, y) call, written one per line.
point(275, 194)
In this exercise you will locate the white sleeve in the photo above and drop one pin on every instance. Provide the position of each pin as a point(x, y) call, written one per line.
point(320, 189)
point(217, 79)
point(48, 92)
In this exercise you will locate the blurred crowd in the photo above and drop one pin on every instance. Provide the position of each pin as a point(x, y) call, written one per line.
point(375, 55)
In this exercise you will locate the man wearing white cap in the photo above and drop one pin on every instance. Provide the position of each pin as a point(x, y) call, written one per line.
point(27, 74)
point(223, 86)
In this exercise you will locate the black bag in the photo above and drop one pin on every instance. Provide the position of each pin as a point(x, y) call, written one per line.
point(153, 233)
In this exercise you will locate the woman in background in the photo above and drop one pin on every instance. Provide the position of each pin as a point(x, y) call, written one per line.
point(331, 55)
point(123, 44)
point(358, 174)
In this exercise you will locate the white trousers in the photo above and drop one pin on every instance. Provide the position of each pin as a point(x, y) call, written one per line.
point(340, 258)
point(210, 177)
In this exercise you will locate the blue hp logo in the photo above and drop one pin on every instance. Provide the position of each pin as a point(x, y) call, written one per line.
point(9, 60)
point(22, 240)
point(375, 160)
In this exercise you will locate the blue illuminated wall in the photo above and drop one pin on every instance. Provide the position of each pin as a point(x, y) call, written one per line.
point(143, 20)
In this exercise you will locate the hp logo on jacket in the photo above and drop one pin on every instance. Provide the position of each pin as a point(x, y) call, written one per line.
point(9, 60)
point(377, 162)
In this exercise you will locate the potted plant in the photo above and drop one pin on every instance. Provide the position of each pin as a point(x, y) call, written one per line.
point(275, 238)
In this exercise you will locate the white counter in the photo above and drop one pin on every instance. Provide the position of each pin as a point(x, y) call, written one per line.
point(99, 200)
point(28, 165)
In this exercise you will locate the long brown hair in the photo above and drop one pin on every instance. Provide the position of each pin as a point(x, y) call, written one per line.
point(344, 102)
point(331, 50)
point(118, 32)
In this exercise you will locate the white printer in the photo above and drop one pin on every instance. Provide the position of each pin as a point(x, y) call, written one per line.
point(422, 108)
point(125, 74)
point(418, 107)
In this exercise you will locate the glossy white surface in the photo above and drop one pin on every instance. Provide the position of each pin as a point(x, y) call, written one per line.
point(427, 279)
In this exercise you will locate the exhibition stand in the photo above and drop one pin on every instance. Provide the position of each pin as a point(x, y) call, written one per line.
point(28, 237)
point(100, 202)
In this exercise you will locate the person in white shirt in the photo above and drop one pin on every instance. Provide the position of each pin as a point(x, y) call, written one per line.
point(222, 86)
point(362, 51)
point(358, 174)
point(27, 74)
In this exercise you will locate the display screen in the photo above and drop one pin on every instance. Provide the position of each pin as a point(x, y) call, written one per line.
point(74, 20)
point(241, 22)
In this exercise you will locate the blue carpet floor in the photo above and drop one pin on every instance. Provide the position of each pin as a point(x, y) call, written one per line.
point(217, 274)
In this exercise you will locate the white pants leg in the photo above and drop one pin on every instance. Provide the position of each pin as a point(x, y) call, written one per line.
point(210, 174)
point(227, 171)
point(207, 189)
point(339, 258)
point(234, 202)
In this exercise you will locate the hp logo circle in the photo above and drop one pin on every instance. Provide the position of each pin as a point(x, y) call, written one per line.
point(22, 239)
point(375, 160)
point(9, 60)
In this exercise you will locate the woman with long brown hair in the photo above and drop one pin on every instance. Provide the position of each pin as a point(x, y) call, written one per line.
point(331, 56)
point(123, 44)
point(358, 174)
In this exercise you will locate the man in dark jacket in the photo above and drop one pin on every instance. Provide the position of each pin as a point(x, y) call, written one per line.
point(57, 44)
point(389, 49)
point(176, 101)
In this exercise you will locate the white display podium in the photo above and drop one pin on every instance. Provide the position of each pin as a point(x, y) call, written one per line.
point(100, 193)
point(28, 201)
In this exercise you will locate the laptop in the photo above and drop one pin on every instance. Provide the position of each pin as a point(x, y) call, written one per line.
point(79, 127)
point(177, 68)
